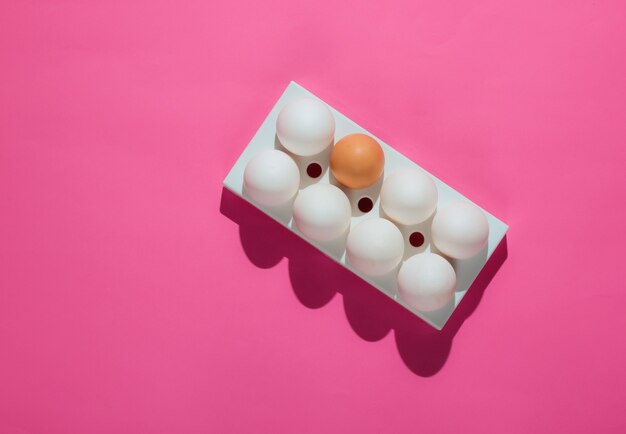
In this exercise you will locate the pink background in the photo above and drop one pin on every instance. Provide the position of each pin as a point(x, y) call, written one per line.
point(138, 297)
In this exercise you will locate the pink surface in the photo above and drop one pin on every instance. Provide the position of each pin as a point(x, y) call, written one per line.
point(138, 297)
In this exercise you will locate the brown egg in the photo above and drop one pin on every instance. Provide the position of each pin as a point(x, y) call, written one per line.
point(357, 161)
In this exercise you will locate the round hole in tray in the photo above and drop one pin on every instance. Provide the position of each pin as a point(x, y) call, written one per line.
point(365, 204)
point(314, 170)
point(416, 239)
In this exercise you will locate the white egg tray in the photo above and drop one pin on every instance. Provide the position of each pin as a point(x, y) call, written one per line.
point(265, 138)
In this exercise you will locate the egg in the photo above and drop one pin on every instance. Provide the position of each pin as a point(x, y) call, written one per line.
point(408, 196)
point(426, 282)
point(357, 161)
point(305, 126)
point(322, 212)
point(271, 178)
point(460, 230)
point(375, 246)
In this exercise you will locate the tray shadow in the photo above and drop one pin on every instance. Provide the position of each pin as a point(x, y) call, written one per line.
point(316, 279)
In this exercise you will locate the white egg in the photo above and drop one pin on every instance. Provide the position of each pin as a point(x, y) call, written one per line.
point(305, 126)
point(460, 230)
point(408, 196)
point(375, 246)
point(271, 178)
point(426, 282)
point(322, 212)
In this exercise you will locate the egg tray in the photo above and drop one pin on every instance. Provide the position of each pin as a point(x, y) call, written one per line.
point(265, 138)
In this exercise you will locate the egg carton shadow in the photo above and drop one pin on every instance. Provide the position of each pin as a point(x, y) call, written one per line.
point(316, 279)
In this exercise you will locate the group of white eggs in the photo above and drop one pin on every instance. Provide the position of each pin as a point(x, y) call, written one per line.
point(375, 246)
